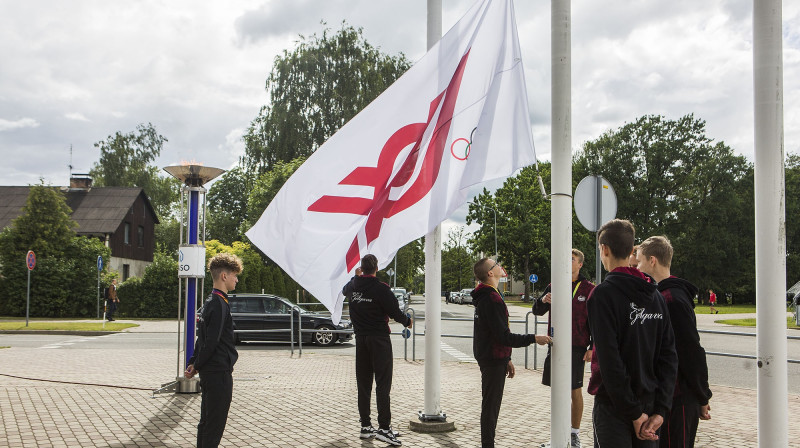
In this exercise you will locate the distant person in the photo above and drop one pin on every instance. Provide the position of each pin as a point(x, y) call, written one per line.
point(634, 364)
point(581, 341)
point(112, 301)
point(215, 351)
point(632, 261)
point(372, 303)
point(690, 399)
point(492, 343)
point(712, 302)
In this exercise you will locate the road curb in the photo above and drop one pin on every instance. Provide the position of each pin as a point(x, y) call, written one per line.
point(60, 332)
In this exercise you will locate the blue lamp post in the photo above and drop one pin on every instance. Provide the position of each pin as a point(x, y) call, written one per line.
point(191, 264)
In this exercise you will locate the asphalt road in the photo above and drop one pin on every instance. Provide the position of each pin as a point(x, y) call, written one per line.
point(726, 371)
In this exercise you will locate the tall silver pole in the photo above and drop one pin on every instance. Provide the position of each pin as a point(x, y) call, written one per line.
point(561, 224)
point(495, 232)
point(598, 218)
point(433, 274)
point(773, 406)
point(395, 270)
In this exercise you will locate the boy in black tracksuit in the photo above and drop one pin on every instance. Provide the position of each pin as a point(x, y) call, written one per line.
point(215, 352)
point(492, 343)
point(372, 302)
point(634, 364)
point(691, 396)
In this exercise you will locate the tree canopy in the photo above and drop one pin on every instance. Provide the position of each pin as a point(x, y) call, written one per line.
point(314, 90)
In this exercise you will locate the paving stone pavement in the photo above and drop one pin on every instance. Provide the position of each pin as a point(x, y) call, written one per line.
point(284, 401)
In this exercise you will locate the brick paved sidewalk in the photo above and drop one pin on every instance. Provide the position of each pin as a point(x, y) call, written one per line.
point(281, 401)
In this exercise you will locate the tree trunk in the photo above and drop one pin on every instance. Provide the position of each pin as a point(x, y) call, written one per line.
point(526, 281)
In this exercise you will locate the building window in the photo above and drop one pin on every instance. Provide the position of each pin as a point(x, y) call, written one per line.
point(126, 272)
point(140, 236)
point(127, 233)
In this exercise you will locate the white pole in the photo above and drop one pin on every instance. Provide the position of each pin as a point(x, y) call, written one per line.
point(773, 405)
point(433, 274)
point(561, 225)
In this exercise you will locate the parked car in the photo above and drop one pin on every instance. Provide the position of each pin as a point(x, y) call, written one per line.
point(249, 313)
point(465, 296)
point(401, 300)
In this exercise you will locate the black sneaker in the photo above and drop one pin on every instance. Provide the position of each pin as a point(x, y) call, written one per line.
point(367, 432)
point(387, 435)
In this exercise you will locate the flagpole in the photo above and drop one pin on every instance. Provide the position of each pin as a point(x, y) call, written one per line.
point(561, 223)
point(431, 418)
point(770, 218)
point(433, 277)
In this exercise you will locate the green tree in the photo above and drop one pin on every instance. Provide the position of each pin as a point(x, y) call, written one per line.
point(792, 197)
point(314, 90)
point(63, 281)
point(267, 187)
point(457, 261)
point(672, 179)
point(227, 206)
point(523, 224)
point(125, 162)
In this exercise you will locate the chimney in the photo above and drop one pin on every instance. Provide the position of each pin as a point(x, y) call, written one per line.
point(80, 182)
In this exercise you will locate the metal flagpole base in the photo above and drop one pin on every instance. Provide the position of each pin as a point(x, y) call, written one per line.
point(431, 423)
point(181, 385)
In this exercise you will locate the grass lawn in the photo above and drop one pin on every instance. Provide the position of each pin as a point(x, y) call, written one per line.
point(752, 322)
point(5, 347)
point(65, 326)
point(726, 309)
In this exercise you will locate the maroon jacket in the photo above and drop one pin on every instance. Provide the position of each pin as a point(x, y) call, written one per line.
point(581, 336)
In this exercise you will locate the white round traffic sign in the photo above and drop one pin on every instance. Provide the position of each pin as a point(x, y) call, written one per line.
point(587, 200)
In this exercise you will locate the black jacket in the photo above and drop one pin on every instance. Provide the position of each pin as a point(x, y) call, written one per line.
point(215, 348)
point(634, 363)
point(692, 368)
point(372, 303)
point(492, 339)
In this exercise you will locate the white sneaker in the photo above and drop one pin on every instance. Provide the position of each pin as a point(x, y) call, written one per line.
point(545, 445)
point(576, 441)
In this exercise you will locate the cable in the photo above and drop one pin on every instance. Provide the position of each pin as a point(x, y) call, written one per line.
point(71, 382)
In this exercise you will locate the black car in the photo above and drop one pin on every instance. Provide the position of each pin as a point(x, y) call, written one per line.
point(250, 312)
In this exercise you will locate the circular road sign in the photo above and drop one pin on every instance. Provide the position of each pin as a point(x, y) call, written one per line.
point(30, 260)
point(587, 199)
point(533, 278)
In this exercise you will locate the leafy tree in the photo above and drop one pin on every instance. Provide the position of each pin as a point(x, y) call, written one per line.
point(44, 226)
point(457, 261)
point(227, 205)
point(671, 179)
point(62, 283)
point(792, 195)
point(523, 224)
point(155, 294)
point(125, 162)
point(267, 187)
point(314, 90)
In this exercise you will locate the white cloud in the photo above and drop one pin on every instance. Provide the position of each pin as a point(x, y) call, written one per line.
point(8, 125)
point(77, 116)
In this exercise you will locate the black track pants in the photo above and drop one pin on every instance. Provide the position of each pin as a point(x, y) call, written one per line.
point(216, 401)
point(374, 361)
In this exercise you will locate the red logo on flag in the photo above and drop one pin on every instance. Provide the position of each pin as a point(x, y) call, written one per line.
point(380, 207)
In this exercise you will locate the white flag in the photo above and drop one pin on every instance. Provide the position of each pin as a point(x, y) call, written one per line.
point(399, 168)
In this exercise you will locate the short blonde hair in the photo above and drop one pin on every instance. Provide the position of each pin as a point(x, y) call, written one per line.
point(659, 247)
point(579, 255)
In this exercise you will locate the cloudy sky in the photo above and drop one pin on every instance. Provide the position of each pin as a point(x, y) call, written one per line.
point(75, 72)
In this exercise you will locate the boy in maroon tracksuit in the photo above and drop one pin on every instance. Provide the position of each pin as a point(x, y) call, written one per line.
point(581, 340)
point(690, 400)
point(492, 344)
point(634, 364)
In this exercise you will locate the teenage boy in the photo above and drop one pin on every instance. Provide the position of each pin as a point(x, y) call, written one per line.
point(372, 303)
point(492, 343)
point(215, 351)
point(690, 400)
point(634, 364)
point(581, 340)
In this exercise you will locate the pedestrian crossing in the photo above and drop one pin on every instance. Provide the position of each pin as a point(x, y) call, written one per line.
point(460, 356)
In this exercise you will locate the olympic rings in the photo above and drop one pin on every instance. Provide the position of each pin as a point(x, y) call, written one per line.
point(466, 150)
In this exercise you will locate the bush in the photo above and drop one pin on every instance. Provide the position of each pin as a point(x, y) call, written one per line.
point(153, 295)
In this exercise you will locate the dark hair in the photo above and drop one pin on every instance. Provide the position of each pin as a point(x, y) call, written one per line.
point(224, 262)
point(369, 264)
point(480, 269)
point(618, 235)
